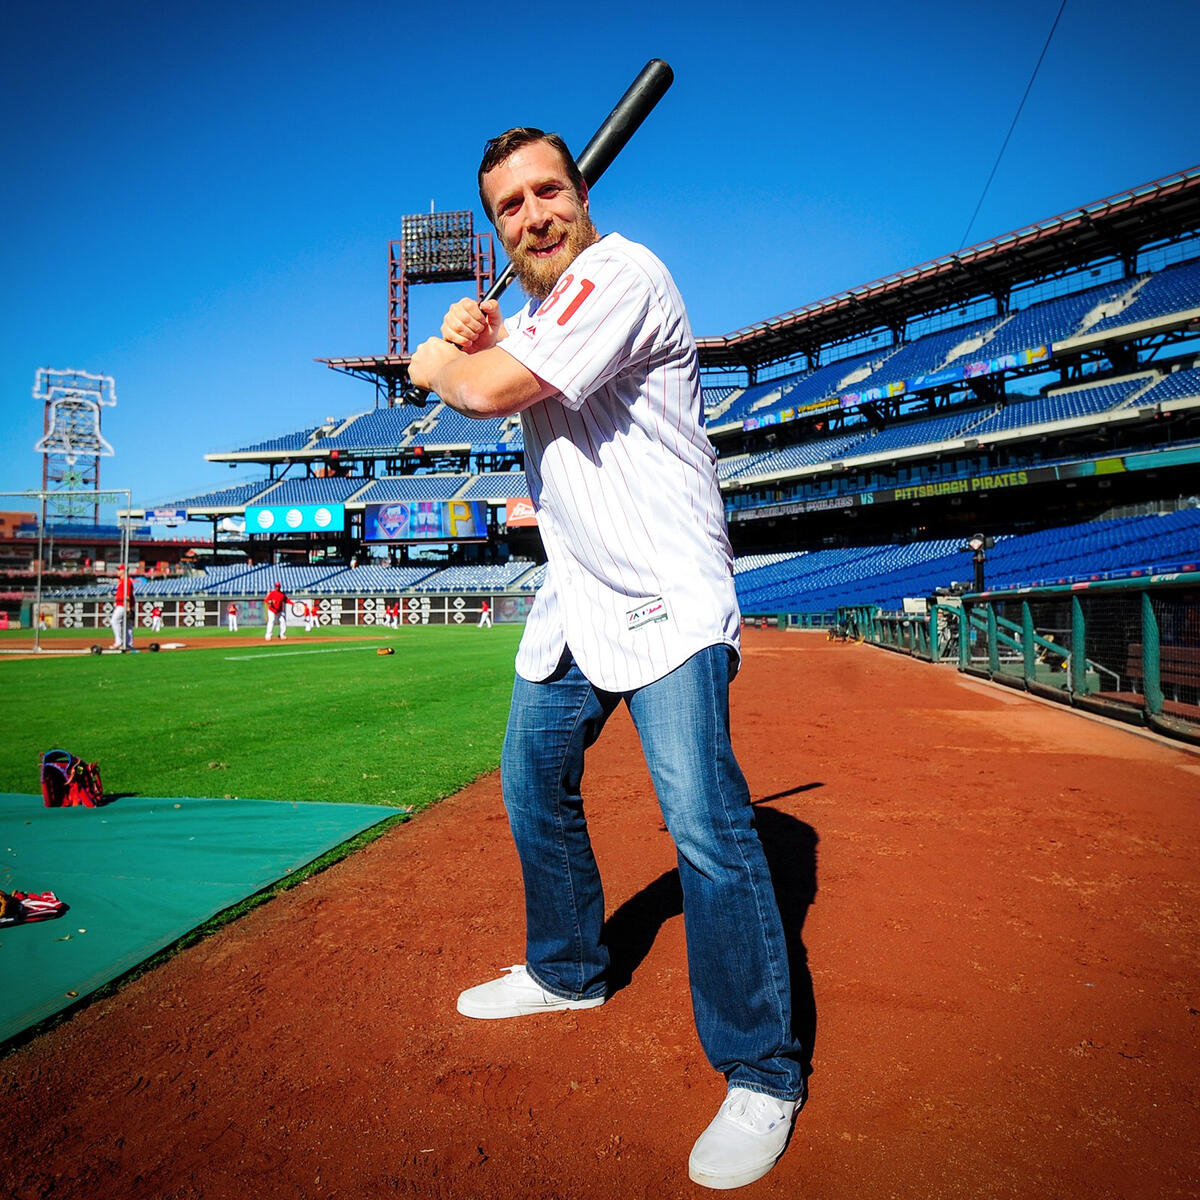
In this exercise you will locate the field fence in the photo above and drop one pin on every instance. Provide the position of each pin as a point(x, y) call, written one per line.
point(1125, 648)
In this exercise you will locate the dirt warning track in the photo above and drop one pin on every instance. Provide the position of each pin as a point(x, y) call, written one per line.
point(993, 906)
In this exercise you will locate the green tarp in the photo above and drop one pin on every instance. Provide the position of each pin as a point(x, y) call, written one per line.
point(138, 874)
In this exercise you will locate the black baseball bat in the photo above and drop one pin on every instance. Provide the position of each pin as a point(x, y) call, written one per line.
point(607, 142)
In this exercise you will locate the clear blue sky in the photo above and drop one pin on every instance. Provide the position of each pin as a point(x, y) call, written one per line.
point(197, 200)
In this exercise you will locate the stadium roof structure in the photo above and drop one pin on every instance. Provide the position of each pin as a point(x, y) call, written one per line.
point(1114, 228)
point(380, 369)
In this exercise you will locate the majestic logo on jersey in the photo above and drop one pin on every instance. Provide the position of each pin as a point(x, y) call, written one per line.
point(647, 614)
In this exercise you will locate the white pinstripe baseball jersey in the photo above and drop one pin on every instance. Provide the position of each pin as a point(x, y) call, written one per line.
point(622, 476)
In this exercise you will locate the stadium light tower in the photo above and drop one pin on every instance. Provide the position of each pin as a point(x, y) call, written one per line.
point(71, 443)
point(434, 247)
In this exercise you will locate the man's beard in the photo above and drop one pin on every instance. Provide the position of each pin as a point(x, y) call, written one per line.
point(537, 276)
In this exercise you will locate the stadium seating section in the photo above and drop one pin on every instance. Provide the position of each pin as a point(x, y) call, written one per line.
point(1106, 306)
point(414, 487)
point(1172, 290)
point(822, 580)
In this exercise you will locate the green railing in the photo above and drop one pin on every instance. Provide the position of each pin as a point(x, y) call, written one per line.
point(1128, 648)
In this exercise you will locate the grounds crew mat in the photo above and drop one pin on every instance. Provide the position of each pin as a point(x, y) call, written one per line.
point(136, 875)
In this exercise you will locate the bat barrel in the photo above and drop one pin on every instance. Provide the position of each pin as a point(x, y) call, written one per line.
point(622, 123)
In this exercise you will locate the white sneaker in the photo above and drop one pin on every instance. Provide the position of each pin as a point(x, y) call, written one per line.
point(516, 994)
point(744, 1141)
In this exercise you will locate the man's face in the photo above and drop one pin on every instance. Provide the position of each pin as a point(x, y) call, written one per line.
point(542, 220)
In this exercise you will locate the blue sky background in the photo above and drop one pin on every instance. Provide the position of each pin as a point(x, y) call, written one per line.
point(198, 201)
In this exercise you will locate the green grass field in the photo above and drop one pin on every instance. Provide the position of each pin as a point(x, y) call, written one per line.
point(330, 721)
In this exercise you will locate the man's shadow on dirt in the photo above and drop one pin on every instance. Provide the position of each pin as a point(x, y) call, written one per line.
point(790, 846)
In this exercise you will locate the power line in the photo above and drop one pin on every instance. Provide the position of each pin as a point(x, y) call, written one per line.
point(1016, 118)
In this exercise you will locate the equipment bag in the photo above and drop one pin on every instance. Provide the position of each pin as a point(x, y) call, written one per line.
point(67, 780)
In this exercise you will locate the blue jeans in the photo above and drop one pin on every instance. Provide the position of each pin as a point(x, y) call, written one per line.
point(737, 957)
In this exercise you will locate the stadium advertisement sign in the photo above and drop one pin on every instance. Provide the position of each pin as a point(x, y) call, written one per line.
point(165, 516)
point(971, 484)
point(884, 392)
point(783, 415)
point(955, 374)
point(426, 521)
point(519, 511)
point(295, 518)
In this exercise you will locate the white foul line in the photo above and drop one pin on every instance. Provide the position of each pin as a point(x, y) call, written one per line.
point(261, 655)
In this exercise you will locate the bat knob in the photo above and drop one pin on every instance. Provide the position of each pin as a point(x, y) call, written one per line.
point(411, 394)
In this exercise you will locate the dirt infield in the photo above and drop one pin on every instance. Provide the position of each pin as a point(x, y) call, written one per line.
point(998, 901)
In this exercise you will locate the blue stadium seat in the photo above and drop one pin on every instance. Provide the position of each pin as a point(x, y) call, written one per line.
point(296, 440)
point(453, 429)
point(230, 498)
point(476, 578)
point(1049, 321)
point(926, 354)
point(370, 579)
point(1059, 406)
point(384, 430)
point(413, 487)
point(1172, 290)
point(1178, 385)
point(826, 579)
point(925, 431)
point(497, 485)
point(315, 490)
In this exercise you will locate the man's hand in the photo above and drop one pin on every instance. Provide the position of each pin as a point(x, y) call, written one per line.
point(472, 326)
point(468, 371)
point(432, 356)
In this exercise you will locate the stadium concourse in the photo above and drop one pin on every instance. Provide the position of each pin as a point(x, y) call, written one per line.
point(991, 906)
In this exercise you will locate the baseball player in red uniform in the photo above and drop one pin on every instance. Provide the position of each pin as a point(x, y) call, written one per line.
point(122, 627)
point(638, 606)
point(156, 618)
point(231, 617)
point(276, 603)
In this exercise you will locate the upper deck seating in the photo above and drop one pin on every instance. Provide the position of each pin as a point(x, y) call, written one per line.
point(1172, 290)
point(922, 432)
point(1059, 406)
point(806, 454)
point(385, 429)
point(453, 429)
point(1178, 385)
point(369, 579)
point(497, 485)
point(735, 465)
point(412, 487)
point(927, 354)
point(1049, 321)
point(475, 578)
point(295, 440)
point(316, 490)
point(230, 498)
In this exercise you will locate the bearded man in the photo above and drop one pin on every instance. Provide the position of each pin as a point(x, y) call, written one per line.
point(638, 607)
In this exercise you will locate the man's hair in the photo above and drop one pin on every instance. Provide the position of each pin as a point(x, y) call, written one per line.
point(499, 148)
